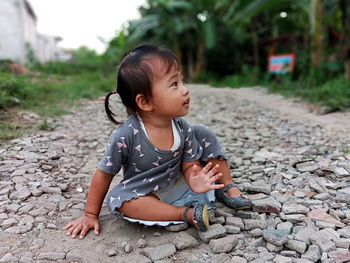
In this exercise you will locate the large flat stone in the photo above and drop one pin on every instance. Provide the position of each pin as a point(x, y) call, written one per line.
point(267, 205)
point(321, 215)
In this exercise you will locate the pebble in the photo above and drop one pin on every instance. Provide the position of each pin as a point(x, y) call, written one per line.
point(141, 243)
point(112, 252)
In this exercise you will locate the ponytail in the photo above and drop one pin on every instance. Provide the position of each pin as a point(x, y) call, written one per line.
point(109, 113)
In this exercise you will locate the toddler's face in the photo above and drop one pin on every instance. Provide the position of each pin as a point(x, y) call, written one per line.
point(170, 98)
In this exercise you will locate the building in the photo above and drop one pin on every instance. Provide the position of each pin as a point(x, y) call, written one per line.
point(19, 37)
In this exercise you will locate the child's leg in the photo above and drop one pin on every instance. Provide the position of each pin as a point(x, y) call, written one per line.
point(226, 177)
point(151, 208)
point(213, 152)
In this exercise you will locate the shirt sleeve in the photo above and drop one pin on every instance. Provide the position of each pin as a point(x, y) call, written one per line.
point(192, 151)
point(115, 155)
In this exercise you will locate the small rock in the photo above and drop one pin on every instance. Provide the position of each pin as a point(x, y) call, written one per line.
point(232, 229)
point(286, 226)
point(298, 246)
point(339, 256)
point(307, 167)
point(185, 240)
point(8, 257)
point(294, 209)
point(160, 252)
point(323, 241)
point(282, 259)
point(276, 236)
point(223, 245)
point(340, 171)
point(141, 243)
point(313, 253)
point(52, 255)
point(237, 259)
point(128, 248)
point(321, 215)
point(267, 205)
point(112, 253)
point(235, 221)
point(257, 232)
point(214, 231)
point(250, 224)
point(177, 227)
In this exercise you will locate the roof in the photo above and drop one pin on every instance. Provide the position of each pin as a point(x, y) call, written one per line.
point(30, 10)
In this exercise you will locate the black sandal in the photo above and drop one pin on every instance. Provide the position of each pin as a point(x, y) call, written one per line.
point(238, 203)
point(200, 215)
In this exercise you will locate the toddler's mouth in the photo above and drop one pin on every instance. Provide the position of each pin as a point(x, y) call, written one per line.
point(187, 101)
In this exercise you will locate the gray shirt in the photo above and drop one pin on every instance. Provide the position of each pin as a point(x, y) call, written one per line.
point(146, 168)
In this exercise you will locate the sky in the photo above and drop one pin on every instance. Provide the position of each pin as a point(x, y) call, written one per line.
point(81, 22)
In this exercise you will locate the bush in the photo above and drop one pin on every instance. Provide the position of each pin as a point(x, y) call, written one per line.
point(10, 89)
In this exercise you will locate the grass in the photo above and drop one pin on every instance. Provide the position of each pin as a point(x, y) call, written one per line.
point(46, 94)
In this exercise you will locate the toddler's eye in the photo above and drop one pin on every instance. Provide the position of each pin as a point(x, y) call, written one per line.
point(175, 83)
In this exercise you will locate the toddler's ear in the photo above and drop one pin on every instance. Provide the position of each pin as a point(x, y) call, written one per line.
point(143, 103)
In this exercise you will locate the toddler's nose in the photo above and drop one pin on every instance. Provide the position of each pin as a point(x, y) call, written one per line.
point(185, 90)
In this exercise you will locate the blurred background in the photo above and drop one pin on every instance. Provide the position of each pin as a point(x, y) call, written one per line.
point(299, 48)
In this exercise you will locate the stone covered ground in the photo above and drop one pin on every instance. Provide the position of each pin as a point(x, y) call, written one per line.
point(293, 164)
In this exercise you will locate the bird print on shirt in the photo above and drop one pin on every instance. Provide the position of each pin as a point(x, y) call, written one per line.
point(135, 191)
point(136, 169)
point(109, 163)
point(122, 144)
point(138, 148)
point(112, 199)
point(206, 144)
point(190, 152)
point(125, 182)
point(156, 163)
point(134, 129)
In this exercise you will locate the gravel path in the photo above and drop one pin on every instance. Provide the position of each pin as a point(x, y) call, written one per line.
point(294, 165)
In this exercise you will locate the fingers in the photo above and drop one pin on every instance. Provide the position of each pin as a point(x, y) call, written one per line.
point(215, 177)
point(217, 186)
point(206, 168)
point(76, 231)
point(84, 231)
point(97, 229)
point(68, 226)
point(196, 169)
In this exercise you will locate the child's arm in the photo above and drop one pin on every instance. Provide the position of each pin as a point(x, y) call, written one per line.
point(201, 180)
point(98, 189)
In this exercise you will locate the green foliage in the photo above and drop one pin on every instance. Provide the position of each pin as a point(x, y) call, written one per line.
point(47, 94)
point(10, 90)
point(248, 77)
point(8, 132)
point(46, 126)
point(31, 58)
point(333, 94)
point(83, 60)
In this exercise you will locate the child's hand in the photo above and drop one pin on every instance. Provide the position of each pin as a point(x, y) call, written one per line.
point(203, 180)
point(83, 225)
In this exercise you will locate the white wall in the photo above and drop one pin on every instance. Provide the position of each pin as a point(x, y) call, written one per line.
point(11, 34)
point(18, 27)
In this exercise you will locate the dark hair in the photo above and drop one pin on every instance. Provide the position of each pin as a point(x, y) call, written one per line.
point(135, 76)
